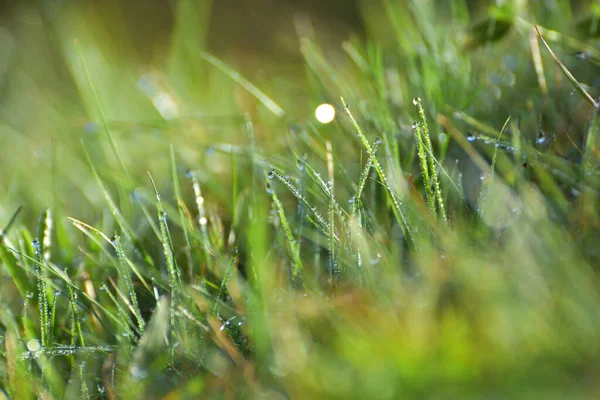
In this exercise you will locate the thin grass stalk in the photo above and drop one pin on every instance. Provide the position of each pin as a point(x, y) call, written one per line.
point(294, 248)
point(42, 287)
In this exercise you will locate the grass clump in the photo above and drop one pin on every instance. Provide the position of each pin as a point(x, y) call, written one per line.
point(439, 239)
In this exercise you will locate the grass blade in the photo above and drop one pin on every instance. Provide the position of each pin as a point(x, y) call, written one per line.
point(568, 74)
point(245, 83)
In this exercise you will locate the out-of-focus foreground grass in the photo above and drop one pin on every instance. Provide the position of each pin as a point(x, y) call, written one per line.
point(189, 229)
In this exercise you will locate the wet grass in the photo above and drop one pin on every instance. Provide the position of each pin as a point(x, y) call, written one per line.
point(438, 239)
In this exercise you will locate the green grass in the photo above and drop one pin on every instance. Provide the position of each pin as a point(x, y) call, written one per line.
point(197, 233)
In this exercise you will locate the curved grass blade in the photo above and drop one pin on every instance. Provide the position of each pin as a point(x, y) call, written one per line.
point(568, 74)
point(245, 83)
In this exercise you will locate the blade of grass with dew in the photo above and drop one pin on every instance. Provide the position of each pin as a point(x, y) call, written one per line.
point(128, 282)
point(76, 319)
point(356, 199)
point(87, 230)
point(225, 281)
point(333, 261)
point(396, 205)
point(81, 294)
point(175, 283)
point(316, 177)
point(294, 248)
point(322, 223)
point(437, 192)
point(125, 321)
point(429, 195)
point(484, 189)
point(42, 289)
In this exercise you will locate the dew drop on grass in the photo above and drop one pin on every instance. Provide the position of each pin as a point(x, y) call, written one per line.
point(37, 247)
point(471, 137)
point(138, 373)
point(163, 216)
point(378, 140)
point(33, 345)
point(90, 127)
point(271, 174)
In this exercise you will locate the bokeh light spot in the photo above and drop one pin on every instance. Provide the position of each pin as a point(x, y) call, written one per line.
point(325, 113)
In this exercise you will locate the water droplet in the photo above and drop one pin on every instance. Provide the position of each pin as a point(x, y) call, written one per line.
point(541, 140)
point(416, 101)
point(33, 345)
point(581, 55)
point(471, 137)
point(272, 174)
point(378, 140)
point(268, 188)
point(90, 127)
point(163, 216)
point(138, 373)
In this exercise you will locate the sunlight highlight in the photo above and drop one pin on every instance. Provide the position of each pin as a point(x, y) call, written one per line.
point(325, 113)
